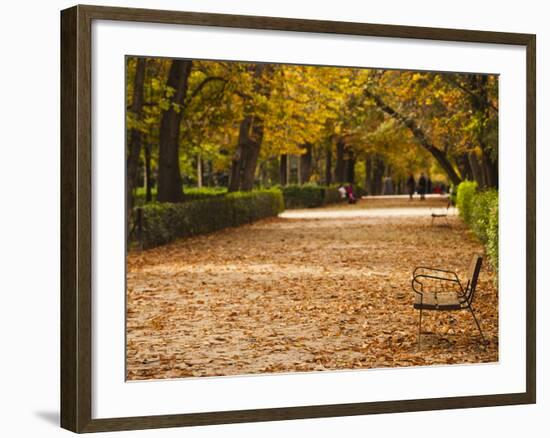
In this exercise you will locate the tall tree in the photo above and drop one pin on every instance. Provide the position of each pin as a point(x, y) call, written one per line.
point(169, 176)
point(251, 132)
point(481, 105)
point(283, 169)
point(374, 171)
point(350, 166)
point(328, 163)
point(148, 173)
point(340, 168)
point(135, 135)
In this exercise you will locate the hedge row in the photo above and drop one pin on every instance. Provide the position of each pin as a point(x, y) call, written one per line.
point(165, 222)
point(295, 196)
point(190, 194)
point(309, 195)
point(479, 209)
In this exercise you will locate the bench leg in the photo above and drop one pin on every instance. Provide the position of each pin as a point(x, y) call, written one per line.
point(477, 323)
point(419, 328)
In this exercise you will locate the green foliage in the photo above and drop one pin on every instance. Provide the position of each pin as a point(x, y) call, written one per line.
point(492, 233)
point(332, 195)
point(480, 211)
point(452, 194)
point(464, 198)
point(358, 191)
point(309, 195)
point(194, 193)
point(165, 222)
point(456, 113)
point(251, 206)
point(190, 194)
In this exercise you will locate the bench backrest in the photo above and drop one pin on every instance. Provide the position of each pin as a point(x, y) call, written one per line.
point(475, 268)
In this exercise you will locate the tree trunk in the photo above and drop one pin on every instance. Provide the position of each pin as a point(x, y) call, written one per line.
point(350, 167)
point(283, 165)
point(491, 168)
point(465, 168)
point(134, 139)
point(305, 163)
point(378, 174)
point(481, 105)
point(253, 142)
point(368, 173)
point(235, 173)
point(169, 176)
point(328, 164)
point(245, 160)
point(374, 172)
point(210, 179)
point(399, 187)
point(148, 175)
point(477, 171)
point(199, 171)
point(251, 132)
point(420, 136)
point(339, 169)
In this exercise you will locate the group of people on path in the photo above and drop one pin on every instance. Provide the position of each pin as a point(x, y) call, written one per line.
point(424, 185)
point(346, 192)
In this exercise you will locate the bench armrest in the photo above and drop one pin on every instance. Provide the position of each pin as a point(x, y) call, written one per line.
point(416, 280)
point(426, 268)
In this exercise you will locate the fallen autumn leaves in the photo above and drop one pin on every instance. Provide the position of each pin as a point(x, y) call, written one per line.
point(285, 295)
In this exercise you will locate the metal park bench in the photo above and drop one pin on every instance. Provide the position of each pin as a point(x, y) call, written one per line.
point(442, 213)
point(445, 299)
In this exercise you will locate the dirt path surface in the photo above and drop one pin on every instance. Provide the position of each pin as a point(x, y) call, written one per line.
point(306, 293)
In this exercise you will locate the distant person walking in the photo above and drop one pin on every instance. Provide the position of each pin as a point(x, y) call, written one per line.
point(411, 186)
point(422, 183)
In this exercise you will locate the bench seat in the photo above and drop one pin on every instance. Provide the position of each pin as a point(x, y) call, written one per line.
point(437, 301)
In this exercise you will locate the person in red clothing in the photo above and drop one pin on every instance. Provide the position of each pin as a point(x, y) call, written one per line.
point(350, 195)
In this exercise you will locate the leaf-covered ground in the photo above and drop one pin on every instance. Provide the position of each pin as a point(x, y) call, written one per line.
point(303, 294)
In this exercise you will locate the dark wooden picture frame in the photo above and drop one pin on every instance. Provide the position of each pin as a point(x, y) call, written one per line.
point(76, 218)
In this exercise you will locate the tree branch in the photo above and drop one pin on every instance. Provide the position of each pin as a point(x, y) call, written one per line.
point(418, 133)
point(205, 81)
point(471, 93)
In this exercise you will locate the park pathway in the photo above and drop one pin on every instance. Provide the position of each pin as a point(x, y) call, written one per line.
point(317, 289)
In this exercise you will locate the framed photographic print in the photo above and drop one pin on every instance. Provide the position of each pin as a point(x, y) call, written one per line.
point(270, 218)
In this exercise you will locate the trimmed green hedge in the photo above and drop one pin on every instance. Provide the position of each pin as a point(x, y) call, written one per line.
point(483, 209)
point(464, 197)
point(194, 193)
point(492, 234)
point(295, 196)
point(332, 195)
point(480, 211)
point(309, 195)
point(190, 194)
point(165, 222)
